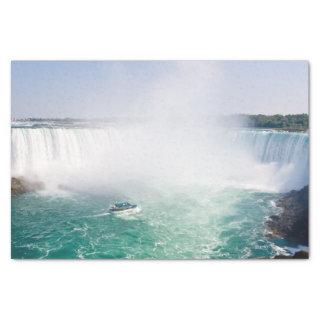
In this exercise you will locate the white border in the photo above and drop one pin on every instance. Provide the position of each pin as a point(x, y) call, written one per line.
point(158, 30)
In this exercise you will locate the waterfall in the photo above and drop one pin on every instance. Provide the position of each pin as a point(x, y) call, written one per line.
point(123, 151)
point(275, 146)
point(34, 148)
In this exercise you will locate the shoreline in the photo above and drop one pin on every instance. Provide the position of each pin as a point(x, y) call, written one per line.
point(292, 222)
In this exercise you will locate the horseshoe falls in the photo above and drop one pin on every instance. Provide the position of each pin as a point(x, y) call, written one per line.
point(203, 192)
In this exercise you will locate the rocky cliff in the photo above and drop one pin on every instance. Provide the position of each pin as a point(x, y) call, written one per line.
point(293, 221)
point(21, 185)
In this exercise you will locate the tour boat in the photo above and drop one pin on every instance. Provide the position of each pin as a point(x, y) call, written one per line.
point(122, 207)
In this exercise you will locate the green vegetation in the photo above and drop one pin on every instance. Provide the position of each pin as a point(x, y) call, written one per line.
point(289, 122)
point(298, 122)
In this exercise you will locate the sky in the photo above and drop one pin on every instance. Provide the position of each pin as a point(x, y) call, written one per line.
point(99, 89)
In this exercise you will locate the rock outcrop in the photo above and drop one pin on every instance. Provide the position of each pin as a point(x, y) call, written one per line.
point(293, 222)
point(20, 185)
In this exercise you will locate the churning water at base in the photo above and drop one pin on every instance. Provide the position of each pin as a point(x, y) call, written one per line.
point(229, 224)
point(186, 213)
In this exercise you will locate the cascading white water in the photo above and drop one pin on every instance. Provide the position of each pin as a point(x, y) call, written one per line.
point(275, 146)
point(288, 152)
point(124, 152)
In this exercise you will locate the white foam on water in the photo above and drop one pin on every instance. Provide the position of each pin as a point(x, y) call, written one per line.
point(128, 214)
point(293, 250)
point(99, 215)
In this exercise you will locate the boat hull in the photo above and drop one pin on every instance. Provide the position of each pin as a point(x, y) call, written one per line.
point(127, 210)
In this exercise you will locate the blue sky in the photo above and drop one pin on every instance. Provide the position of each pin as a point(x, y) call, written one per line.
point(93, 89)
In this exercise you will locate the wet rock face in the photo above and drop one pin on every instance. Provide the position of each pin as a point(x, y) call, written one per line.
point(293, 222)
point(20, 185)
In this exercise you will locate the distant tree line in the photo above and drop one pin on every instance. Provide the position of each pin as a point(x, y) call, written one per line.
point(289, 121)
